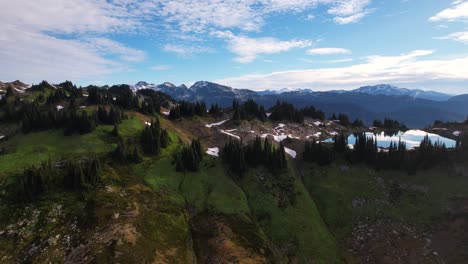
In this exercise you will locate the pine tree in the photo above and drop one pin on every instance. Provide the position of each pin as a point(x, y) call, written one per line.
point(136, 157)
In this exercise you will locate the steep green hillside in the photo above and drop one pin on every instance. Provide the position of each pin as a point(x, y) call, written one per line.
point(288, 215)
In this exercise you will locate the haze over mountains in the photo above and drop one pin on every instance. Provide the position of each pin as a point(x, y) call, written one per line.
point(417, 108)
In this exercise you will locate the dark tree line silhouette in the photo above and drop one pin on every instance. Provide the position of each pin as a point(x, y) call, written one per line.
point(397, 156)
point(187, 109)
point(390, 125)
point(34, 118)
point(74, 175)
point(248, 111)
point(153, 138)
point(286, 111)
point(239, 157)
point(189, 158)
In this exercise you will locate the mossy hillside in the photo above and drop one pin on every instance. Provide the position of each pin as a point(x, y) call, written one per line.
point(211, 197)
point(425, 196)
point(296, 229)
point(34, 148)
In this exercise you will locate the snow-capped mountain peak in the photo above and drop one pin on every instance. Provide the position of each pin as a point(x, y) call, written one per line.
point(390, 90)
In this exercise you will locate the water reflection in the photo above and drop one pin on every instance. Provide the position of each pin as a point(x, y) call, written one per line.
point(412, 138)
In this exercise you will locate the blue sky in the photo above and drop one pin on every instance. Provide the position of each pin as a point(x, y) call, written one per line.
point(255, 44)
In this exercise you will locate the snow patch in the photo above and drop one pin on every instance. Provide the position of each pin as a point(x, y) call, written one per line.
point(19, 91)
point(82, 106)
point(216, 124)
point(290, 152)
point(317, 123)
point(456, 133)
point(230, 134)
point(268, 114)
point(166, 113)
point(316, 135)
point(59, 107)
point(231, 130)
point(213, 151)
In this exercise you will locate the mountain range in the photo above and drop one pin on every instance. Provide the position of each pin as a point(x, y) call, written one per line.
point(417, 108)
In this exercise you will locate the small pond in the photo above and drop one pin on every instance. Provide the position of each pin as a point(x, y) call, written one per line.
point(412, 138)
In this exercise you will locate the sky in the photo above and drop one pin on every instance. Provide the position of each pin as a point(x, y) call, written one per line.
point(254, 44)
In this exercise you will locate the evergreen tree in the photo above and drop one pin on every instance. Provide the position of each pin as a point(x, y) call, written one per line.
point(340, 144)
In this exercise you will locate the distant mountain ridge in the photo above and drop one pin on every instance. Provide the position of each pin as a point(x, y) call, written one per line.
point(390, 90)
point(17, 86)
point(417, 108)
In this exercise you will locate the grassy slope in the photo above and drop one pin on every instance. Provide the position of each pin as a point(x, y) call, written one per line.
point(166, 226)
point(297, 229)
point(215, 199)
point(33, 148)
point(334, 191)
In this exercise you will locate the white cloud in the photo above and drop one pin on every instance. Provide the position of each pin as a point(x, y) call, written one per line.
point(458, 12)
point(349, 11)
point(328, 51)
point(84, 27)
point(160, 67)
point(107, 46)
point(249, 15)
point(186, 51)
point(350, 19)
point(61, 39)
point(32, 57)
point(457, 36)
point(405, 68)
point(68, 16)
point(247, 49)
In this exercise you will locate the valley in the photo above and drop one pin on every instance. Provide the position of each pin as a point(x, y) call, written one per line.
point(149, 206)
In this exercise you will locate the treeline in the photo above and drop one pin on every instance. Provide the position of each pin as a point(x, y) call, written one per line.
point(187, 109)
point(462, 148)
point(390, 125)
point(189, 158)
point(64, 91)
point(282, 111)
point(72, 120)
point(151, 141)
point(153, 138)
point(365, 150)
point(239, 157)
point(286, 111)
point(344, 120)
point(248, 111)
point(70, 175)
point(127, 151)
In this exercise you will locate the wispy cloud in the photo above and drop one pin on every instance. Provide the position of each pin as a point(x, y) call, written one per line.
point(349, 11)
point(249, 15)
point(458, 12)
point(328, 51)
point(248, 49)
point(161, 67)
point(33, 56)
point(108, 46)
point(59, 39)
point(457, 36)
point(405, 68)
point(185, 50)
